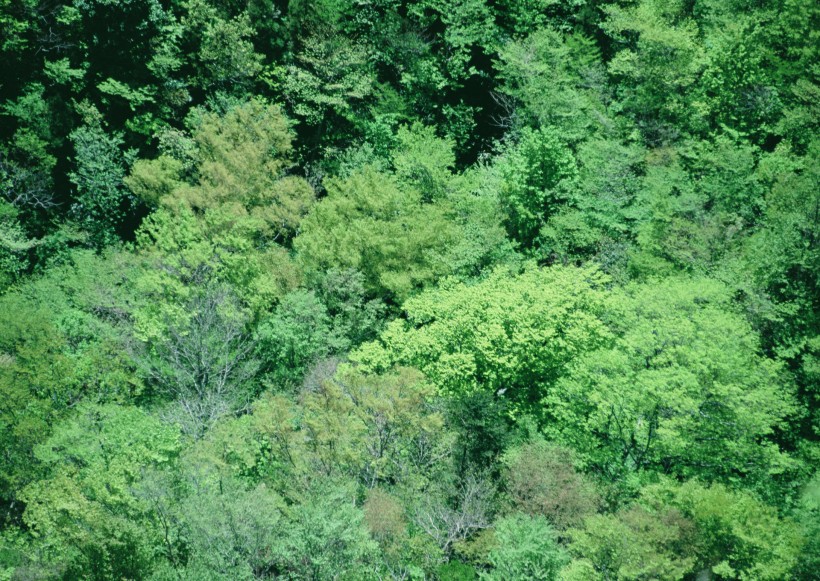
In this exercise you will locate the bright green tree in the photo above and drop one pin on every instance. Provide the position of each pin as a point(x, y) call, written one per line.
point(510, 335)
point(368, 223)
point(85, 509)
point(527, 549)
point(681, 387)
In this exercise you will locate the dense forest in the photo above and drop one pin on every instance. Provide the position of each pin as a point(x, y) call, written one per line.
point(409, 289)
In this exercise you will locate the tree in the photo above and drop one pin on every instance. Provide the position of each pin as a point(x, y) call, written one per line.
point(681, 388)
point(84, 508)
point(101, 202)
point(368, 223)
point(510, 335)
point(240, 160)
point(449, 521)
point(231, 531)
point(220, 47)
point(294, 337)
point(536, 173)
point(658, 67)
point(31, 369)
point(737, 536)
point(14, 246)
point(541, 480)
point(327, 537)
point(526, 549)
point(599, 219)
point(808, 519)
point(329, 79)
point(424, 161)
point(202, 361)
point(377, 428)
point(633, 543)
point(550, 79)
point(27, 160)
point(183, 251)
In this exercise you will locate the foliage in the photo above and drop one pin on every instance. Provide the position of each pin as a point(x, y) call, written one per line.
point(527, 549)
point(680, 388)
point(85, 509)
point(536, 174)
point(409, 289)
point(101, 201)
point(367, 223)
point(541, 480)
point(239, 160)
point(510, 334)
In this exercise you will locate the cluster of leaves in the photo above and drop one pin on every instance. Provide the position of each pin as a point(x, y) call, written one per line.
point(409, 289)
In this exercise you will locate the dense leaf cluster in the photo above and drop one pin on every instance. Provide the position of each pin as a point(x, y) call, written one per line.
point(409, 289)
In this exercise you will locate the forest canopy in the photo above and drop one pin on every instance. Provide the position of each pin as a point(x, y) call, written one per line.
point(409, 289)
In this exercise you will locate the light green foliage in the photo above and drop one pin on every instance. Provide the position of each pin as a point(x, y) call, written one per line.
point(536, 173)
point(425, 289)
point(736, 535)
point(88, 301)
point(424, 161)
point(367, 223)
point(527, 549)
point(327, 537)
point(59, 343)
point(183, 251)
point(552, 79)
point(240, 161)
point(60, 71)
point(633, 543)
point(84, 510)
point(243, 155)
point(379, 428)
point(153, 180)
point(32, 366)
point(330, 79)
point(509, 334)
point(680, 387)
point(231, 532)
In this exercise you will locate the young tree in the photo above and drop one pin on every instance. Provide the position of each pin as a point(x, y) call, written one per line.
point(526, 548)
point(203, 361)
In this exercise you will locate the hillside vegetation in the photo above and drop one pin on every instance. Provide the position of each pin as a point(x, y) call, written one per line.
point(409, 290)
